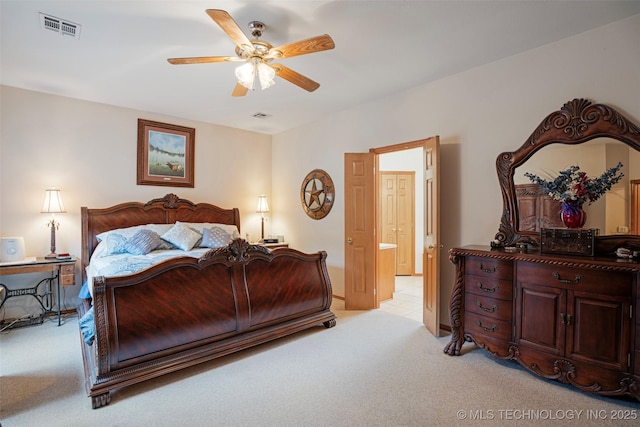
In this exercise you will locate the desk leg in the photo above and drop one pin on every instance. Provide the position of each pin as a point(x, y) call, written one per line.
point(58, 293)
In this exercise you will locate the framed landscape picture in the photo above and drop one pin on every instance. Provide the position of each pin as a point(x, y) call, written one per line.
point(165, 154)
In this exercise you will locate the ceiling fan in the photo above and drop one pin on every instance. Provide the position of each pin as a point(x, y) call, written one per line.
point(258, 55)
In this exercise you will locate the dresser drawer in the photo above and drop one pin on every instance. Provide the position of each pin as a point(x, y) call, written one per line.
point(578, 279)
point(476, 324)
point(67, 275)
point(489, 267)
point(488, 286)
point(490, 307)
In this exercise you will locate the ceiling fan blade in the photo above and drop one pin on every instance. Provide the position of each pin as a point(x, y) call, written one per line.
point(295, 78)
point(239, 90)
point(203, 59)
point(302, 47)
point(229, 26)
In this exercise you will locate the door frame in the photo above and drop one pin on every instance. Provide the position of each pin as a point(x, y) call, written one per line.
point(431, 243)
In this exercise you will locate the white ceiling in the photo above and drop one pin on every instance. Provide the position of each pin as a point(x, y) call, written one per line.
point(382, 47)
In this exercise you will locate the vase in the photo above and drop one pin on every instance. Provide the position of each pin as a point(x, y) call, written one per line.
point(572, 215)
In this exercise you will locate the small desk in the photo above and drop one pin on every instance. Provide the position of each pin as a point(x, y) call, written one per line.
point(62, 273)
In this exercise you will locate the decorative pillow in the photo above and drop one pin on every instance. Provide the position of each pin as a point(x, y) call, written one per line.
point(114, 244)
point(214, 237)
point(127, 232)
point(201, 226)
point(182, 236)
point(143, 242)
point(164, 245)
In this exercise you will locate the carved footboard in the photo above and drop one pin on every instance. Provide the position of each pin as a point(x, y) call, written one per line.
point(187, 311)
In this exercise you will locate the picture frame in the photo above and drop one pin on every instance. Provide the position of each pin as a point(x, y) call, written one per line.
point(165, 154)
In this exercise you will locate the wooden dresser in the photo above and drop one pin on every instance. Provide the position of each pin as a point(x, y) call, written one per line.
point(570, 318)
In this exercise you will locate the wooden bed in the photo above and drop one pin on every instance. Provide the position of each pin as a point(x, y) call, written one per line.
point(187, 310)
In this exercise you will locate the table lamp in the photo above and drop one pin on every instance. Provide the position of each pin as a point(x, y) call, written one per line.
point(263, 208)
point(52, 205)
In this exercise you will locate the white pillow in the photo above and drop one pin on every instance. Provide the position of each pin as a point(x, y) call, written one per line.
point(128, 232)
point(114, 243)
point(182, 236)
point(124, 232)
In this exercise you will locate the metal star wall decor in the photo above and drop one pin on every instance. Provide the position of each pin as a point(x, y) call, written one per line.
point(317, 194)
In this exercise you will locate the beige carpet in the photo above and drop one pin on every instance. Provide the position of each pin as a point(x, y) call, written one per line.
point(372, 369)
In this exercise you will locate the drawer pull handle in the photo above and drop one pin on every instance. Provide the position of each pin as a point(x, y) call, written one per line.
point(488, 270)
point(566, 281)
point(492, 329)
point(489, 290)
point(488, 310)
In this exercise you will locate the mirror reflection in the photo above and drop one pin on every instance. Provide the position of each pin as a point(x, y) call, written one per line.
point(613, 213)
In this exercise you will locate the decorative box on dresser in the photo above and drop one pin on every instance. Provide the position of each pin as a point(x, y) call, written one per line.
point(567, 309)
point(563, 317)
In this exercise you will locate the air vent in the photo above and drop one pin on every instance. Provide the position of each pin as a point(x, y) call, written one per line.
point(60, 26)
point(261, 115)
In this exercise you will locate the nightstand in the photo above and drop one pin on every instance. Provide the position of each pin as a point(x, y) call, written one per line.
point(275, 245)
point(63, 272)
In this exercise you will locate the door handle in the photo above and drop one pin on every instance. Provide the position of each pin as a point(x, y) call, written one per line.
point(349, 240)
point(434, 246)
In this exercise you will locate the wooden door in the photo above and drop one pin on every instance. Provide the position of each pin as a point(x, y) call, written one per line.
point(388, 211)
point(609, 315)
point(360, 232)
point(397, 199)
point(431, 243)
point(540, 312)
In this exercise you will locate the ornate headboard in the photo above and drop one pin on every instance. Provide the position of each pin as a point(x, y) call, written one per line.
point(165, 210)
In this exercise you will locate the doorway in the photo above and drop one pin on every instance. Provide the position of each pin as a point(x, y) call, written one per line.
point(363, 231)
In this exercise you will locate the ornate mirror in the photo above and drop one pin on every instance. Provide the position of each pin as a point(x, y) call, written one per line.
point(577, 122)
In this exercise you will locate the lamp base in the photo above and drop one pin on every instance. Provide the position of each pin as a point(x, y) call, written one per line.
point(51, 256)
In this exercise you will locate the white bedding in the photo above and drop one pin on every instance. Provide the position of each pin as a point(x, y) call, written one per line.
point(109, 259)
point(121, 264)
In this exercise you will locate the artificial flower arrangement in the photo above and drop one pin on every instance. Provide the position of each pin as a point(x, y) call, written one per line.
point(573, 187)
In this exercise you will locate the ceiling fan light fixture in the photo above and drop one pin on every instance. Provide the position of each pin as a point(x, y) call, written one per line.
point(246, 75)
point(266, 74)
point(248, 72)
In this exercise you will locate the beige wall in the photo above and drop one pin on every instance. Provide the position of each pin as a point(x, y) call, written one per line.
point(478, 114)
point(88, 150)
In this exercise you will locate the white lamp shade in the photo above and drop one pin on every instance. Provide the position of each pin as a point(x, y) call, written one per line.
point(52, 202)
point(263, 206)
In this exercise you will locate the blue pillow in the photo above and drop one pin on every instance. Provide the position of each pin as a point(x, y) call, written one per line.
point(143, 242)
point(214, 237)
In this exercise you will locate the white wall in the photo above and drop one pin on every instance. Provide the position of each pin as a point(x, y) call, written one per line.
point(478, 114)
point(88, 150)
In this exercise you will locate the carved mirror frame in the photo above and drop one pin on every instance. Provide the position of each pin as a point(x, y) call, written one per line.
point(578, 121)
